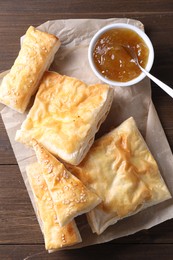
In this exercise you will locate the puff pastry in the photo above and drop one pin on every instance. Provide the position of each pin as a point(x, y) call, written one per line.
point(71, 198)
point(122, 171)
point(55, 236)
point(36, 55)
point(66, 115)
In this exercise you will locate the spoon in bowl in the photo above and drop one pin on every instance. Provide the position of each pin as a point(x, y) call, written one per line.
point(133, 54)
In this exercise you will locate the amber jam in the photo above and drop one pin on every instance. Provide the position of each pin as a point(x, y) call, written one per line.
point(111, 58)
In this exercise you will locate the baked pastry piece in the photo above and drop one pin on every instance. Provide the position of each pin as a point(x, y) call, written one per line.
point(36, 55)
point(66, 115)
point(122, 171)
point(55, 236)
point(71, 198)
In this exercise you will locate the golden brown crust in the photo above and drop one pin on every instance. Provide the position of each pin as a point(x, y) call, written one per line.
point(36, 54)
point(122, 171)
point(55, 236)
point(71, 198)
point(66, 115)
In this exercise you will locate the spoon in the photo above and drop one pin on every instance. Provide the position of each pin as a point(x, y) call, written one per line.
point(133, 54)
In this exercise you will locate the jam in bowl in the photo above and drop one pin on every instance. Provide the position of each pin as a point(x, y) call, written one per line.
point(109, 59)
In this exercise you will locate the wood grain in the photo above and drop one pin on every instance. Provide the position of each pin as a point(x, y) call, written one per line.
point(20, 235)
point(17, 217)
point(81, 6)
point(108, 251)
point(6, 152)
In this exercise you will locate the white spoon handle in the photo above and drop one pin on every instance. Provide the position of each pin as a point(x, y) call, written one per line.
point(165, 87)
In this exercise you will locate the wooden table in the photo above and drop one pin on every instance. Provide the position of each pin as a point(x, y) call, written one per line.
point(20, 235)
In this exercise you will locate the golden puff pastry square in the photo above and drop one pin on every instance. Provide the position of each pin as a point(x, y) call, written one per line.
point(124, 174)
point(55, 236)
point(66, 115)
point(36, 54)
point(70, 196)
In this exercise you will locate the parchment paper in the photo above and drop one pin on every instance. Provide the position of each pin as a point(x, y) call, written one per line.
point(135, 101)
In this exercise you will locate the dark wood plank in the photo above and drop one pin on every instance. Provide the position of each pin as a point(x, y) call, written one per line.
point(164, 106)
point(160, 234)
point(104, 251)
point(6, 152)
point(81, 6)
point(18, 223)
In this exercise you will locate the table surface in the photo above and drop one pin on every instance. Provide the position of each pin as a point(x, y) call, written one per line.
point(20, 235)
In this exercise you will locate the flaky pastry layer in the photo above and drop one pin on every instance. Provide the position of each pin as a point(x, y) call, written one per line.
point(66, 115)
point(122, 171)
point(70, 196)
point(36, 54)
point(55, 236)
